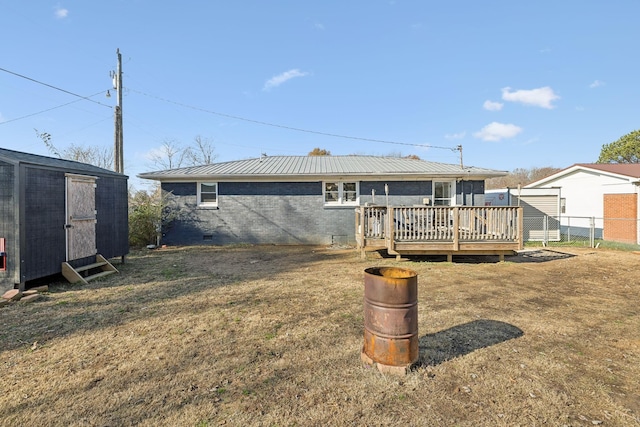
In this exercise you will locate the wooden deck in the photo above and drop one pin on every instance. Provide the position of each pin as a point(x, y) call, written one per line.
point(440, 230)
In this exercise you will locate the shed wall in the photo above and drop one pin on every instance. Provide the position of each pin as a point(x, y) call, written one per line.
point(43, 217)
point(112, 228)
point(43, 242)
point(8, 224)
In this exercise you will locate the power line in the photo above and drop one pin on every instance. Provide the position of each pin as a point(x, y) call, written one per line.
point(55, 87)
point(289, 127)
point(457, 148)
point(48, 109)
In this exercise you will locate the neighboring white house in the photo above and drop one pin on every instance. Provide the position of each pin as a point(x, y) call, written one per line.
point(541, 210)
point(604, 195)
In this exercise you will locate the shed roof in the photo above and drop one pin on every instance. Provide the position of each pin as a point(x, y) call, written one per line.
point(52, 162)
point(300, 167)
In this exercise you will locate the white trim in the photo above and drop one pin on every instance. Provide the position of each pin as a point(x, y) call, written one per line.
point(452, 189)
point(340, 201)
point(199, 194)
point(577, 168)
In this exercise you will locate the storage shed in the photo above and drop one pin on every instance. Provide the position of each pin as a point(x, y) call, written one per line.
point(55, 211)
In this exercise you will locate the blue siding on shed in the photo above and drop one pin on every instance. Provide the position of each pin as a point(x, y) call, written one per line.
point(32, 215)
point(8, 229)
point(43, 244)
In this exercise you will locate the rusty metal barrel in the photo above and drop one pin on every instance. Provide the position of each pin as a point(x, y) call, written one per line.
point(391, 316)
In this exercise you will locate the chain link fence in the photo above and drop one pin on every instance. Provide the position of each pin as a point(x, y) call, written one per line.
point(590, 232)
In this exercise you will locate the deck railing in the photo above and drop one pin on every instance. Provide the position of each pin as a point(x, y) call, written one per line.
point(439, 223)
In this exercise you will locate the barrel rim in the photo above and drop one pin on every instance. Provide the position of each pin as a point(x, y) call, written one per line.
point(406, 273)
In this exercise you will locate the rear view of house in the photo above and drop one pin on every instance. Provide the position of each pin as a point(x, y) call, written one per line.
point(308, 199)
point(54, 211)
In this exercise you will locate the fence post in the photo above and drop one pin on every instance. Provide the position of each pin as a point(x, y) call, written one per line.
point(592, 231)
point(545, 228)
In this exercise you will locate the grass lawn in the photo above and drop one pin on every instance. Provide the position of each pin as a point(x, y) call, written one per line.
point(271, 336)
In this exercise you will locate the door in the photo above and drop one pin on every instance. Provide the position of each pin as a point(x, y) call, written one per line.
point(81, 216)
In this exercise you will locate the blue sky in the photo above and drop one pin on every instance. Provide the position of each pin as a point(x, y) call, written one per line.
point(517, 84)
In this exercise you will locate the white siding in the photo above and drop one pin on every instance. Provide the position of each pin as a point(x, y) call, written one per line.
point(584, 191)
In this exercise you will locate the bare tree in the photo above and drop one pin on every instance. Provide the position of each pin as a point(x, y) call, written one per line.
point(201, 152)
point(520, 176)
point(93, 155)
point(170, 155)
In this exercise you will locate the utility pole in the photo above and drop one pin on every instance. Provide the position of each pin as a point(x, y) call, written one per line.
point(459, 148)
point(118, 156)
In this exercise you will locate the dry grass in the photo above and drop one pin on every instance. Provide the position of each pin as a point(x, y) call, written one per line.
point(272, 336)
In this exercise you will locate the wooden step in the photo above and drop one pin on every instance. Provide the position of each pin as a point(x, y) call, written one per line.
point(90, 266)
point(98, 275)
point(74, 275)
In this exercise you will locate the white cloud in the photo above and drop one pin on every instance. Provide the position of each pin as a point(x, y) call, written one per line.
point(61, 12)
point(458, 135)
point(540, 97)
point(596, 83)
point(276, 81)
point(492, 106)
point(495, 131)
point(318, 26)
point(154, 153)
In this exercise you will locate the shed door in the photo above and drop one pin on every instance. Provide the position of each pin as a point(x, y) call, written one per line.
point(81, 216)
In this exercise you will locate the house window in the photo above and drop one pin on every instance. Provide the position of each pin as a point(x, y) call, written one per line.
point(208, 194)
point(340, 193)
point(443, 194)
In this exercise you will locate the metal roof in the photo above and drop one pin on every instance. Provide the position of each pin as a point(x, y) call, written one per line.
point(300, 167)
point(627, 171)
point(52, 162)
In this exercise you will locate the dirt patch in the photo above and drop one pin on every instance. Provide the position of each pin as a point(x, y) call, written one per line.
point(271, 335)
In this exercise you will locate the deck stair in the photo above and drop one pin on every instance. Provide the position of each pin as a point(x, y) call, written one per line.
point(84, 274)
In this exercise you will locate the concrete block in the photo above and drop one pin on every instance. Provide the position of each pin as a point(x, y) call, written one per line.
point(12, 294)
point(31, 298)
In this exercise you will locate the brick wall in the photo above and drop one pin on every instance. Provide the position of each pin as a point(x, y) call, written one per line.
point(280, 213)
point(621, 218)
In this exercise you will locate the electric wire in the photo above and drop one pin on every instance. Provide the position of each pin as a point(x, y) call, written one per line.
point(289, 127)
point(55, 87)
point(333, 135)
point(48, 109)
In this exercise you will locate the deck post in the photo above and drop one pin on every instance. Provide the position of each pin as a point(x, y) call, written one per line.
point(359, 230)
point(391, 229)
point(520, 227)
point(456, 228)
